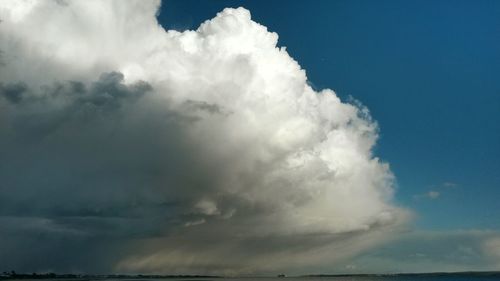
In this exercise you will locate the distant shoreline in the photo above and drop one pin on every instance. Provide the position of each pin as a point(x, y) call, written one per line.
point(89, 277)
point(100, 276)
point(458, 273)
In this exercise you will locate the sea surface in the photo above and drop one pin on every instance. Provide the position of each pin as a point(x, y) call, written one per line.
point(471, 277)
point(462, 277)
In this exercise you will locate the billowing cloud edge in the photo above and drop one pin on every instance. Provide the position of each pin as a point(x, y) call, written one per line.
point(189, 148)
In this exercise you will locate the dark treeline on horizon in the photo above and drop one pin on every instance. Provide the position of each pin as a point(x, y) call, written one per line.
point(429, 274)
point(50, 275)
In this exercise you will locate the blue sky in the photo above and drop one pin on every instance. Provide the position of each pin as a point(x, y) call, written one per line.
point(428, 72)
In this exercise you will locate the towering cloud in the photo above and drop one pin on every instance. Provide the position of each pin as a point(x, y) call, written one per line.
point(200, 151)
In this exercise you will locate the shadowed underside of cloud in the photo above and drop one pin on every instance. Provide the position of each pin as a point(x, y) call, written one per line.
point(183, 152)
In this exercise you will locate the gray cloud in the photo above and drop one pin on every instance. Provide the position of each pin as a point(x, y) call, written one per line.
point(13, 92)
point(39, 111)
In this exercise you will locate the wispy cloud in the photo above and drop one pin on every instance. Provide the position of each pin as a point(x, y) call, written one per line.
point(432, 194)
point(449, 184)
point(436, 191)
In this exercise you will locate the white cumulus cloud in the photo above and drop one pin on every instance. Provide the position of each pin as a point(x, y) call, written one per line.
point(203, 151)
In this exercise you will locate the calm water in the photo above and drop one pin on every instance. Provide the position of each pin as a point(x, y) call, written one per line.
point(385, 278)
